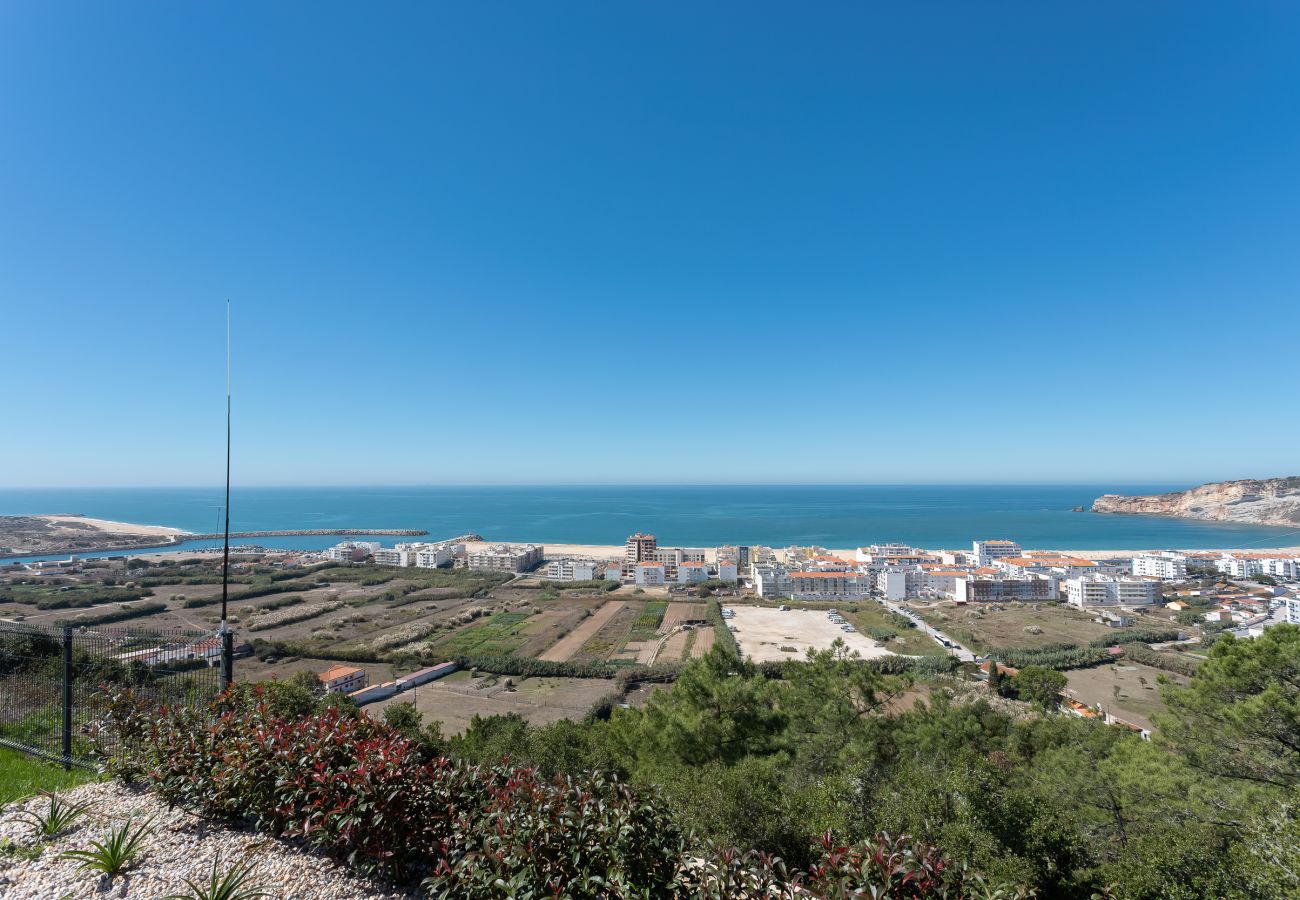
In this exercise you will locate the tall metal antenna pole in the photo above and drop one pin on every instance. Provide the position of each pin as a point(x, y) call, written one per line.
point(227, 675)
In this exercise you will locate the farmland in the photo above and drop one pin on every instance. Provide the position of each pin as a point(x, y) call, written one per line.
point(458, 698)
point(302, 618)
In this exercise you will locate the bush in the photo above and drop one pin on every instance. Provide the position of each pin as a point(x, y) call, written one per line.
point(117, 615)
point(361, 792)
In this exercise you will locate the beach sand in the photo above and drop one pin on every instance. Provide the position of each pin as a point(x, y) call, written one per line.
point(110, 527)
point(1121, 554)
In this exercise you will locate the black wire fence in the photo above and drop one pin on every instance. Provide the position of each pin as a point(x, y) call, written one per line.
point(56, 681)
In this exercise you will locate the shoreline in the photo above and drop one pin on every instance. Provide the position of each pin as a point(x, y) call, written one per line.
point(173, 540)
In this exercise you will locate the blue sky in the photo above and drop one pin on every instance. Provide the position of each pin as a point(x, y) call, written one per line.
point(927, 242)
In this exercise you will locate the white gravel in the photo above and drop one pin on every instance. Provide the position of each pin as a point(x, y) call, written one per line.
point(181, 846)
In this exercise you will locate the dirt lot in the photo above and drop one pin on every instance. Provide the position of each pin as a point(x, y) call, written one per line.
point(1139, 693)
point(762, 632)
point(679, 613)
point(456, 699)
point(992, 626)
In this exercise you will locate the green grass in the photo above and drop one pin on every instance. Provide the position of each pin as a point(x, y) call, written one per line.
point(22, 776)
point(866, 616)
point(501, 633)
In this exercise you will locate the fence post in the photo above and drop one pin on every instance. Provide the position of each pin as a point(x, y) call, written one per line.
point(67, 696)
point(227, 659)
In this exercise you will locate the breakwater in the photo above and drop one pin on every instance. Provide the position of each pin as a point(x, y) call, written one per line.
point(311, 532)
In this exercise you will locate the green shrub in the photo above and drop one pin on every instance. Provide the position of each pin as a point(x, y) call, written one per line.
point(117, 615)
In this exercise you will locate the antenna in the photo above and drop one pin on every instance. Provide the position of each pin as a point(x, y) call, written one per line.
point(226, 674)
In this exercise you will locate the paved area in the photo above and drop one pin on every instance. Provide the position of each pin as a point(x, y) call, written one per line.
point(957, 649)
point(762, 631)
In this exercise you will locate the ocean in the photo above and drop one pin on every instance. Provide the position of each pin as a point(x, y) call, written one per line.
point(930, 516)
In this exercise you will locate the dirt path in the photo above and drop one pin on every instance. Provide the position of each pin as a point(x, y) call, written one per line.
point(673, 647)
point(572, 642)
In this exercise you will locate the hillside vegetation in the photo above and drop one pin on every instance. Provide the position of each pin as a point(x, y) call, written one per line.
point(817, 767)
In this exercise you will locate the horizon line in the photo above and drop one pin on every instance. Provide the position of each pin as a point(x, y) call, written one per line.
point(597, 484)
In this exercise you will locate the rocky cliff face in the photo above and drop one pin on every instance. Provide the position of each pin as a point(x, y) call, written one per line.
point(1272, 501)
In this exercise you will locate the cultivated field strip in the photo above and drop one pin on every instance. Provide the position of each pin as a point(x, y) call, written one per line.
point(571, 643)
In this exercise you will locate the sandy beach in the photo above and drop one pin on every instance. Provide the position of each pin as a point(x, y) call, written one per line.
point(110, 526)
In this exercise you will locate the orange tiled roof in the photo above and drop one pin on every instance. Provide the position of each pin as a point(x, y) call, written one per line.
point(335, 672)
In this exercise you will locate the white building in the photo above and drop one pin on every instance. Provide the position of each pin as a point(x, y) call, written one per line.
point(1088, 592)
point(692, 573)
point(828, 585)
point(352, 551)
point(1292, 606)
point(649, 573)
point(342, 679)
point(1244, 565)
point(987, 551)
point(1240, 566)
point(771, 581)
point(573, 569)
point(892, 584)
point(728, 571)
point(1167, 566)
point(1282, 567)
point(394, 556)
point(431, 556)
point(977, 589)
point(505, 557)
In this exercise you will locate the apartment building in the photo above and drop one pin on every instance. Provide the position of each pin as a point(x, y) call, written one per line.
point(1059, 566)
point(352, 551)
point(728, 571)
point(394, 556)
point(692, 572)
point(987, 551)
point(1167, 566)
point(574, 569)
point(882, 551)
point(984, 589)
point(1244, 565)
point(828, 585)
point(771, 581)
point(1088, 592)
point(431, 556)
point(649, 573)
point(1292, 606)
point(638, 548)
point(505, 557)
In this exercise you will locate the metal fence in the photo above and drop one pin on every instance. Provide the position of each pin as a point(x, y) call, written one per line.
point(55, 681)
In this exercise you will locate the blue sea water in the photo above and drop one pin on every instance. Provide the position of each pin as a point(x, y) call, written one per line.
point(932, 516)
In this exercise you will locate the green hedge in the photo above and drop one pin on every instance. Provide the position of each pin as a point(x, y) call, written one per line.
point(117, 615)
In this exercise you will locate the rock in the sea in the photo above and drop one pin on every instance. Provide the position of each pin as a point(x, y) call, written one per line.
point(1272, 501)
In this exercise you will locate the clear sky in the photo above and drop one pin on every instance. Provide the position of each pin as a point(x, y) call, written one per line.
point(629, 242)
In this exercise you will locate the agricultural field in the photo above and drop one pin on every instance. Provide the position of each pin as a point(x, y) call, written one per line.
point(457, 699)
point(1130, 691)
point(389, 620)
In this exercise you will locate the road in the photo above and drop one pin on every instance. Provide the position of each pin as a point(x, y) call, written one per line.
point(957, 650)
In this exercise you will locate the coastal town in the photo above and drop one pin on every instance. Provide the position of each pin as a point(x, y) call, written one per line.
point(646, 604)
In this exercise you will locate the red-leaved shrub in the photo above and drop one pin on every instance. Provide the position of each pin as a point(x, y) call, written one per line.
point(358, 790)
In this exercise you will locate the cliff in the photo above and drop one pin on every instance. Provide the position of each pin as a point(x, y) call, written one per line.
point(1271, 501)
